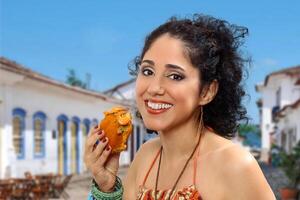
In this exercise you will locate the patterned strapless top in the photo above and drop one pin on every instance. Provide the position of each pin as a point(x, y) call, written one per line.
point(187, 193)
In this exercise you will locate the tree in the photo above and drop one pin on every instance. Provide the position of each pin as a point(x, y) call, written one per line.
point(73, 80)
point(246, 128)
point(290, 163)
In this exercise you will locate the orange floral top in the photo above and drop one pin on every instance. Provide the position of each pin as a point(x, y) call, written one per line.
point(187, 193)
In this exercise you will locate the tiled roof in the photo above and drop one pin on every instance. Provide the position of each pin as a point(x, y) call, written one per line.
point(11, 66)
point(292, 71)
point(292, 106)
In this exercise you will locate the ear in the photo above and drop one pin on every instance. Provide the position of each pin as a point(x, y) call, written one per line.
point(208, 92)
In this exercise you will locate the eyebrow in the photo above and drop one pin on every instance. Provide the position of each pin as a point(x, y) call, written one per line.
point(170, 66)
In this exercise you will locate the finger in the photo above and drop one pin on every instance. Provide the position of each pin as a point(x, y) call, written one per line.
point(95, 129)
point(94, 133)
point(92, 130)
point(91, 157)
point(100, 148)
point(104, 156)
point(90, 142)
point(101, 137)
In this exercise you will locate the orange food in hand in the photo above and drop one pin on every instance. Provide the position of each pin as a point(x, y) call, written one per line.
point(117, 126)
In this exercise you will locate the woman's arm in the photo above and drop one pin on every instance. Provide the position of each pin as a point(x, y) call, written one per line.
point(243, 178)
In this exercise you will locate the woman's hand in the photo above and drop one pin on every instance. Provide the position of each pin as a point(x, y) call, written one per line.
point(99, 160)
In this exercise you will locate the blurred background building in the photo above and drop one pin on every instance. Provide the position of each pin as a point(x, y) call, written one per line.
point(279, 108)
point(44, 123)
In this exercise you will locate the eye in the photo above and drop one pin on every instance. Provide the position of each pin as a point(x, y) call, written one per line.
point(146, 72)
point(176, 77)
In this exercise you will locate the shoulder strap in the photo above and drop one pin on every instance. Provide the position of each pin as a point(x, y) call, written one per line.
point(195, 165)
point(153, 161)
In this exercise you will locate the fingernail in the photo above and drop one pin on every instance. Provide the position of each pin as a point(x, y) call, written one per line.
point(107, 148)
point(100, 132)
point(104, 140)
point(96, 126)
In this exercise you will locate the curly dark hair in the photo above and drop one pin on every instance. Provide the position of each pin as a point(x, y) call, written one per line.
point(213, 46)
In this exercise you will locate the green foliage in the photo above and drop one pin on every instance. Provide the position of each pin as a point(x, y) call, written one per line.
point(73, 80)
point(290, 164)
point(243, 129)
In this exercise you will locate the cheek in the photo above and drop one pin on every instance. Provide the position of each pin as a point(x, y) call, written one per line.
point(139, 90)
point(138, 86)
point(186, 97)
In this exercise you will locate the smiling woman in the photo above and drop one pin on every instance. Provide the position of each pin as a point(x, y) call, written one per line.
point(169, 79)
point(188, 89)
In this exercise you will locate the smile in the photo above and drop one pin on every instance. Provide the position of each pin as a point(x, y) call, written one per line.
point(157, 107)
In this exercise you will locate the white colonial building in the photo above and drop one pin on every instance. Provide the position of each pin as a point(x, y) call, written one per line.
point(280, 109)
point(44, 123)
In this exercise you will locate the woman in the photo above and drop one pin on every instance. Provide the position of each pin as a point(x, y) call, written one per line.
point(188, 89)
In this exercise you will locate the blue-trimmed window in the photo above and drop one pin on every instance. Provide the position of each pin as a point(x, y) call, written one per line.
point(19, 115)
point(39, 127)
point(86, 127)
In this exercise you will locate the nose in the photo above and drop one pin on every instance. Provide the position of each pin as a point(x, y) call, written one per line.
point(155, 87)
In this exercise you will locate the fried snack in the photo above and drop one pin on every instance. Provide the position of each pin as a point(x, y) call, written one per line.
point(117, 126)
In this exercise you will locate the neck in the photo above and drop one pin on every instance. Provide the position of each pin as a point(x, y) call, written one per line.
point(180, 142)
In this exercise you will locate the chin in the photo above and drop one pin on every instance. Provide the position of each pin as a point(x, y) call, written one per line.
point(156, 125)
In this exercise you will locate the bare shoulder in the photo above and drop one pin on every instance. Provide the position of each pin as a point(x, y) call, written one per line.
point(242, 176)
point(239, 156)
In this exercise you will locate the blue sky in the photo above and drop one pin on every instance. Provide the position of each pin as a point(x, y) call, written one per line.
point(102, 37)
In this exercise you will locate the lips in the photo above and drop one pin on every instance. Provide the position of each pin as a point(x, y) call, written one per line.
point(156, 106)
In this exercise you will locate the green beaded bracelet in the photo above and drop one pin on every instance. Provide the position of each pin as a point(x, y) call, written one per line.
point(115, 195)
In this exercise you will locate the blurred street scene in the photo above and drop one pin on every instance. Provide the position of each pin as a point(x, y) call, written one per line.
point(56, 133)
point(63, 64)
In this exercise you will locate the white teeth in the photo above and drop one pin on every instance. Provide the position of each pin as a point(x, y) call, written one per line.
point(158, 106)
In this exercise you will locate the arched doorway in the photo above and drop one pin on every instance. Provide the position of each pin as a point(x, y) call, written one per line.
point(75, 161)
point(85, 128)
point(62, 150)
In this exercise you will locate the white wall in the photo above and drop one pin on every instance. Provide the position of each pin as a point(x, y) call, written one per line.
point(128, 91)
point(289, 93)
point(269, 101)
point(288, 124)
point(33, 96)
point(1, 131)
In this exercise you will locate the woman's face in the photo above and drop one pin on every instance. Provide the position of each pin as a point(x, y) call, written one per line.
point(167, 85)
